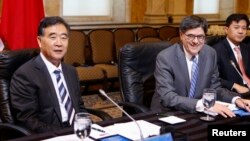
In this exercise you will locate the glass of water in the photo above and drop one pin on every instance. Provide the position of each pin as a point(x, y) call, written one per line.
point(82, 125)
point(208, 100)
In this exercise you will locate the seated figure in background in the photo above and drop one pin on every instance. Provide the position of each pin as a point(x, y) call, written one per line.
point(234, 76)
point(180, 87)
point(45, 92)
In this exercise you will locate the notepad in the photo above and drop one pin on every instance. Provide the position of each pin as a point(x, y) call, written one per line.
point(172, 119)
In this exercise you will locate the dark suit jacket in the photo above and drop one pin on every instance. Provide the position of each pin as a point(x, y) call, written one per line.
point(173, 82)
point(34, 98)
point(227, 72)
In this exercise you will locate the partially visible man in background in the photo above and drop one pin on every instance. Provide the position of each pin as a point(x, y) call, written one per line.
point(233, 55)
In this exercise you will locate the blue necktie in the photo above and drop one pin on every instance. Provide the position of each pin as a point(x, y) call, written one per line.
point(194, 75)
point(65, 99)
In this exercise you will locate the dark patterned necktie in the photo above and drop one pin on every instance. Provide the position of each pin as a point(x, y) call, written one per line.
point(194, 77)
point(65, 98)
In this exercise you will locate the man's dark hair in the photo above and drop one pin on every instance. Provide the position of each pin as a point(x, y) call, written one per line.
point(236, 17)
point(191, 22)
point(49, 21)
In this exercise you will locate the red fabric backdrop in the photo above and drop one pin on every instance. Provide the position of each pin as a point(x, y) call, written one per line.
point(19, 23)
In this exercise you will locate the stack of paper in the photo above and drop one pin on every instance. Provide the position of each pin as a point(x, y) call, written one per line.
point(131, 130)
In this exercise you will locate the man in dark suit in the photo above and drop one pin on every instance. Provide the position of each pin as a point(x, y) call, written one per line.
point(35, 95)
point(236, 30)
point(173, 73)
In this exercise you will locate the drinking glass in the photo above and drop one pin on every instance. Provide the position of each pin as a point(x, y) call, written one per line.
point(208, 100)
point(82, 125)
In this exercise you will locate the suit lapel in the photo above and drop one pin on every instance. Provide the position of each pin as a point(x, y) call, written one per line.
point(183, 65)
point(229, 51)
point(51, 93)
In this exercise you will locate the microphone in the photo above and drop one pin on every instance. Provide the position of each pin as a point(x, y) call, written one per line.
point(233, 64)
point(104, 94)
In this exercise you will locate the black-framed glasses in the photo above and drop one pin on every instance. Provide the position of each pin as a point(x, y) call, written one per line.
point(191, 37)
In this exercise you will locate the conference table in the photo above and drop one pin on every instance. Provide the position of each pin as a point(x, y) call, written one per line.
point(193, 129)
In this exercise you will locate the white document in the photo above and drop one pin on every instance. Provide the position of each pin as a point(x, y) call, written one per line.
point(172, 119)
point(131, 131)
point(98, 132)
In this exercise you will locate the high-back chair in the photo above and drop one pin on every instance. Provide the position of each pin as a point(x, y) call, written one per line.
point(136, 68)
point(9, 62)
point(146, 31)
point(150, 39)
point(88, 75)
point(167, 32)
point(212, 40)
point(103, 53)
point(175, 39)
point(123, 36)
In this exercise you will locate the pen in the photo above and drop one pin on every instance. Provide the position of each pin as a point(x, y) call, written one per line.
point(100, 130)
point(164, 114)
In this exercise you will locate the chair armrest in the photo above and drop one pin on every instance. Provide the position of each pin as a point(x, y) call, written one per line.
point(101, 114)
point(11, 131)
point(135, 106)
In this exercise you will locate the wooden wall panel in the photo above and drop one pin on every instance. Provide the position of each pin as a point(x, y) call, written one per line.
point(138, 9)
point(52, 7)
point(242, 6)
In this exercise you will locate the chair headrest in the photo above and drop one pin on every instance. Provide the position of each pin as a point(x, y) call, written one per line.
point(141, 56)
point(11, 60)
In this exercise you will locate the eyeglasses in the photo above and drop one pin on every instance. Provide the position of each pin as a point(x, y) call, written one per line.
point(191, 37)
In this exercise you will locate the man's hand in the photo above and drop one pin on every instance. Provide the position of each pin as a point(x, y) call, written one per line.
point(240, 89)
point(243, 103)
point(222, 110)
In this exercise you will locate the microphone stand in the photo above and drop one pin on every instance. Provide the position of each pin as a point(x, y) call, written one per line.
point(104, 94)
point(233, 64)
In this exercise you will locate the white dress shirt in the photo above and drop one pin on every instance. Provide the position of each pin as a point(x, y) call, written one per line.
point(51, 68)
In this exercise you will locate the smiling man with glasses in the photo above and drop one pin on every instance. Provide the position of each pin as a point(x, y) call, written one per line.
point(185, 69)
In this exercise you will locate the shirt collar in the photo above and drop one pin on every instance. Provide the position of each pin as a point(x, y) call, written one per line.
point(232, 45)
point(49, 65)
point(189, 56)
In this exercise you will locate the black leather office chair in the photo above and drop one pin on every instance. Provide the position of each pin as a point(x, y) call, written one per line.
point(136, 67)
point(9, 62)
point(212, 40)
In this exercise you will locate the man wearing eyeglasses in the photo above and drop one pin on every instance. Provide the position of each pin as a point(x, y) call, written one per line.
point(233, 76)
point(185, 69)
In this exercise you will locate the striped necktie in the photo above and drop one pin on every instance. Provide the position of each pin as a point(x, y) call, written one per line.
point(65, 98)
point(241, 65)
point(194, 77)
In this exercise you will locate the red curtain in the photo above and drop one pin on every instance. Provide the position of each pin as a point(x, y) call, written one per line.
point(19, 23)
